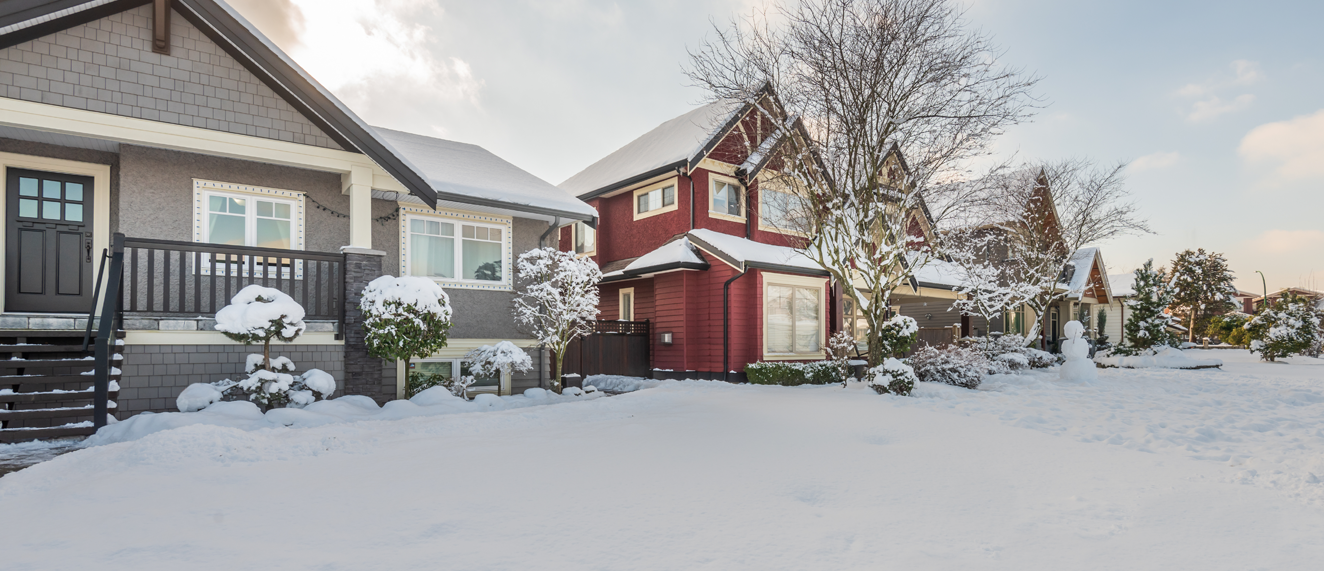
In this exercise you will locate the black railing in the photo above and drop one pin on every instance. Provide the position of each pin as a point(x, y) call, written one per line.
point(170, 278)
point(105, 333)
point(621, 327)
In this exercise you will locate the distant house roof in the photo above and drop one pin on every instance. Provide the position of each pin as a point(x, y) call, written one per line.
point(462, 169)
point(1123, 285)
point(24, 20)
point(668, 146)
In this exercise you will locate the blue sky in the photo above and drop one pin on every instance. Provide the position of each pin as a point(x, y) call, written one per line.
point(1217, 104)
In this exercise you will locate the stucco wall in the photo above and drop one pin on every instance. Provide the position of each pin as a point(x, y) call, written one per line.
point(108, 66)
point(156, 193)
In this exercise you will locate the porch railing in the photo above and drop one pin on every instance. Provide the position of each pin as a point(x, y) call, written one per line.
point(165, 278)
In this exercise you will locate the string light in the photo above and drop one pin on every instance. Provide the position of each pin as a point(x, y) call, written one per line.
point(383, 220)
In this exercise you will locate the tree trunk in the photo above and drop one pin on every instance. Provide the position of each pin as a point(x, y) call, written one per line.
point(556, 379)
point(266, 354)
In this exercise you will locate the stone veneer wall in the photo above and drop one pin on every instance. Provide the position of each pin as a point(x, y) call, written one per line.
point(154, 375)
point(108, 66)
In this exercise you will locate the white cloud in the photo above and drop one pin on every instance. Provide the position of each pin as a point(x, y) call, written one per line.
point(1288, 241)
point(1215, 106)
point(1294, 147)
point(1211, 104)
point(1154, 161)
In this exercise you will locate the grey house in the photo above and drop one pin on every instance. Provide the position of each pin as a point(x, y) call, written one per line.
point(178, 131)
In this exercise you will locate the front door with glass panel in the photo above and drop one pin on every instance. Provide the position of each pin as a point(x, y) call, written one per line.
point(48, 253)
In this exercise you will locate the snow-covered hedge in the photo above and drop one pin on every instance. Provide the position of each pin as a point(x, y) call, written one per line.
point(1289, 327)
point(793, 374)
point(892, 377)
point(405, 317)
point(1009, 353)
point(952, 365)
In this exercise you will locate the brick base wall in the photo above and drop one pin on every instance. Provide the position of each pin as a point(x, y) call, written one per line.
point(154, 375)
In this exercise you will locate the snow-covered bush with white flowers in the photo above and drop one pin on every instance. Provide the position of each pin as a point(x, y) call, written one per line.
point(258, 315)
point(958, 365)
point(405, 317)
point(557, 300)
point(892, 376)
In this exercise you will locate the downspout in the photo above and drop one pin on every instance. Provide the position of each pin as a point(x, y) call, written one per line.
point(542, 243)
point(685, 172)
point(726, 325)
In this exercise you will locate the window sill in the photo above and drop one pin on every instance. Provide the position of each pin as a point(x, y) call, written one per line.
point(479, 285)
point(724, 216)
point(782, 231)
point(793, 356)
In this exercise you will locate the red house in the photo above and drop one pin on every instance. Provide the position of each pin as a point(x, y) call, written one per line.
point(688, 240)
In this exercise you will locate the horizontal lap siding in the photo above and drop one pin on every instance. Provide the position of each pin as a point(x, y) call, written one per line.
point(669, 292)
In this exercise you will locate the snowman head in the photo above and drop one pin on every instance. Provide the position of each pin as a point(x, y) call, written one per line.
point(1073, 330)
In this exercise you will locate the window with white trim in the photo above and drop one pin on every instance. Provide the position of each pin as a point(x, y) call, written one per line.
point(585, 238)
point(626, 299)
point(655, 199)
point(728, 199)
point(452, 369)
point(456, 250)
point(794, 319)
point(248, 220)
point(778, 210)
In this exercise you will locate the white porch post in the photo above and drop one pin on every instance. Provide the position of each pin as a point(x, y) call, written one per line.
point(358, 185)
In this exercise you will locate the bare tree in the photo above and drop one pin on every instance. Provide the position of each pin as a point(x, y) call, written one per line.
point(1023, 225)
point(851, 81)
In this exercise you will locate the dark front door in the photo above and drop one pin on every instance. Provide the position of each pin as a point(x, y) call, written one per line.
point(48, 242)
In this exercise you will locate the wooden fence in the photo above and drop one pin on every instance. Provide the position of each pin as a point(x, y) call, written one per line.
point(615, 348)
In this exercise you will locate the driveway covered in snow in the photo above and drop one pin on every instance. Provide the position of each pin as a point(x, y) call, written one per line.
point(1140, 470)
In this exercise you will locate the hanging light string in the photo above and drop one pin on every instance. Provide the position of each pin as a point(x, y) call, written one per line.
point(383, 220)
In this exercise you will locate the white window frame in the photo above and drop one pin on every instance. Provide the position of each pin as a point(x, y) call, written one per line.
point(675, 203)
point(765, 185)
point(575, 230)
point(459, 219)
point(457, 364)
point(204, 189)
point(713, 181)
point(620, 303)
point(787, 280)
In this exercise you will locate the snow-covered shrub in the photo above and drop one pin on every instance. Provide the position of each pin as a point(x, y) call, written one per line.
point(1008, 363)
point(892, 376)
point(1289, 327)
point(558, 300)
point(504, 358)
point(1229, 328)
point(792, 374)
point(957, 365)
point(1007, 353)
point(897, 335)
point(405, 317)
point(257, 315)
point(419, 382)
point(840, 345)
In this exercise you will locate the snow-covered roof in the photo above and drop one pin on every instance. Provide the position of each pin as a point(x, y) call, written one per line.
point(1078, 271)
point(1002, 199)
point(674, 252)
point(462, 168)
point(939, 272)
point(1123, 285)
point(676, 140)
point(750, 253)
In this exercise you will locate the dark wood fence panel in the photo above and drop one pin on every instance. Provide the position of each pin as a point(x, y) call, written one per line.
point(170, 278)
point(936, 337)
point(615, 348)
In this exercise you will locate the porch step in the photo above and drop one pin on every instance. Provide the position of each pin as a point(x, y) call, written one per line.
point(37, 333)
point(82, 362)
point(43, 413)
point(43, 348)
point(51, 396)
point(7, 380)
point(25, 434)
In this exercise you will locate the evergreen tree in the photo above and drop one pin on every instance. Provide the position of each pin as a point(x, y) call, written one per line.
point(1201, 285)
point(1290, 327)
point(1147, 325)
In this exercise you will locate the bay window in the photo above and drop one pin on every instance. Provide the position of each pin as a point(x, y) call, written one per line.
point(793, 316)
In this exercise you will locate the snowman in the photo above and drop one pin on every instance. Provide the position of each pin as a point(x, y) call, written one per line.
point(1076, 349)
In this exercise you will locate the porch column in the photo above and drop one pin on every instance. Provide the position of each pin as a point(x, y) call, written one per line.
point(364, 374)
point(357, 183)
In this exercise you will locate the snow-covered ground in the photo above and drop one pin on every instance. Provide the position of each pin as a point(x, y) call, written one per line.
point(1141, 469)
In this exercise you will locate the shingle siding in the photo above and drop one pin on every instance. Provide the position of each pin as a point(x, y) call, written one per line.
point(108, 66)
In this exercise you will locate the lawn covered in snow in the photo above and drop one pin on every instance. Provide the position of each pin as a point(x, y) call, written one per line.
point(1141, 469)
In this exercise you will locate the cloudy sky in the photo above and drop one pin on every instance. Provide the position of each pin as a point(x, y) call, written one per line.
point(1216, 104)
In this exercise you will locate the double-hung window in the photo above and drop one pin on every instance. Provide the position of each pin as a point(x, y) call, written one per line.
point(456, 250)
point(655, 199)
point(586, 239)
point(240, 220)
point(794, 319)
point(727, 198)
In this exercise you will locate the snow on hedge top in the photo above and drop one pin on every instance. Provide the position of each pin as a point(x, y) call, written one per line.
point(421, 293)
point(461, 168)
point(745, 251)
point(247, 316)
point(675, 140)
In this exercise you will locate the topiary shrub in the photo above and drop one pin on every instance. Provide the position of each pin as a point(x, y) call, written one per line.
point(952, 365)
